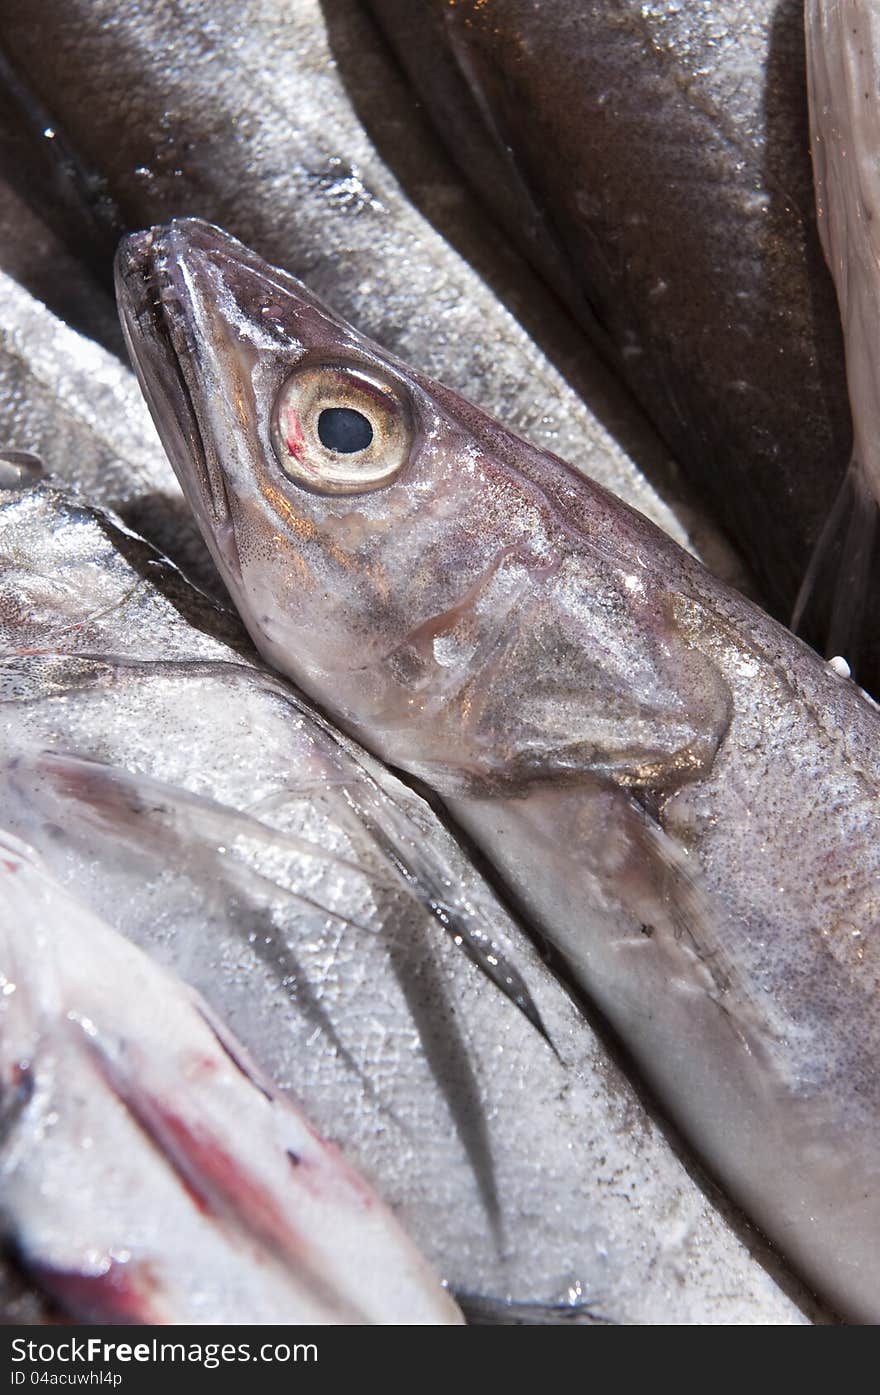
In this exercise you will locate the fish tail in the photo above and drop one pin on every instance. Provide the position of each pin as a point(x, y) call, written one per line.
point(833, 593)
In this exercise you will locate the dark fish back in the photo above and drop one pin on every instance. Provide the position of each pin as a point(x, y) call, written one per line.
point(654, 165)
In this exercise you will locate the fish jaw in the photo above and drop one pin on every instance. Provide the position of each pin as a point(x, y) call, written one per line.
point(406, 609)
point(145, 287)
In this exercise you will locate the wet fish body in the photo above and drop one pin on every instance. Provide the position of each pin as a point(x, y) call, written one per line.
point(149, 1173)
point(651, 161)
point(196, 803)
point(843, 53)
point(682, 795)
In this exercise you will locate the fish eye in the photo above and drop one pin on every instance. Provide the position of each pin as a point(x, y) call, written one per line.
point(337, 429)
point(344, 430)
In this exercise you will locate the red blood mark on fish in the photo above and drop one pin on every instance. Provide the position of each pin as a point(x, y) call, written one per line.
point(293, 433)
point(214, 1179)
point(120, 1293)
point(206, 1066)
point(211, 1174)
point(353, 1180)
point(220, 1185)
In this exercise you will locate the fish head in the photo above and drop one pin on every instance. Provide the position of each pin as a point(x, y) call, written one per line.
point(399, 554)
point(307, 456)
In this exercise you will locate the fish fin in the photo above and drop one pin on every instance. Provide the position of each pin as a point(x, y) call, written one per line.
point(161, 821)
point(669, 917)
point(474, 938)
point(425, 876)
point(834, 591)
point(685, 919)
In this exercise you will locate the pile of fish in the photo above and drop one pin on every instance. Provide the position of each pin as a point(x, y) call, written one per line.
point(389, 809)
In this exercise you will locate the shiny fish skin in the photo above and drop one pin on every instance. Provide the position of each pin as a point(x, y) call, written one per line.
point(843, 53)
point(241, 116)
point(194, 800)
point(651, 161)
point(149, 1174)
point(682, 795)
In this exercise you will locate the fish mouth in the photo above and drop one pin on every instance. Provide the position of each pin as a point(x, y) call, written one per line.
point(156, 312)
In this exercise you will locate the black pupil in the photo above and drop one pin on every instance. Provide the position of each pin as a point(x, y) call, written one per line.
point(344, 430)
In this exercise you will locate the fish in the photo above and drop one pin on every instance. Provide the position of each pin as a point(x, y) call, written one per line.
point(651, 161)
point(843, 49)
point(244, 119)
point(150, 1173)
point(194, 802)
point(680, 795)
